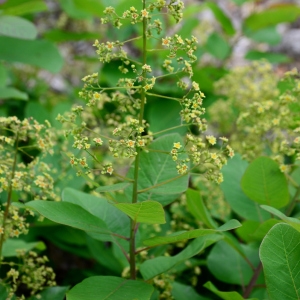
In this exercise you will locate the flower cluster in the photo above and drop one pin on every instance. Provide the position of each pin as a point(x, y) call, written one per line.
point(132, 130)
point(36, 177)
point(15, 224)
point(270, 118)
point(199, 152)
point(32, 274)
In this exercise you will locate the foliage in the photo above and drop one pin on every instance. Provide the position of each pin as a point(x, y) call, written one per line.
point(127, 180)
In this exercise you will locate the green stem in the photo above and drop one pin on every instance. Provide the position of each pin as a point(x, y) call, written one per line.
point(133, 224)
point(171, 128)
point(8, 202)
point(166, 97)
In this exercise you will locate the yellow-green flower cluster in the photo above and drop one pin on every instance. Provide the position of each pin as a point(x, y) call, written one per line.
point(201, 154)
point(130, 134)
point(267, 118)
point(15, 223)
point(32, 274)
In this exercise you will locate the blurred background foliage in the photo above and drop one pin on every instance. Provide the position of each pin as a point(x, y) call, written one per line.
point(46, 48)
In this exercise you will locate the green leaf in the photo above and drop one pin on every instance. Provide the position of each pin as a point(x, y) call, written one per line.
point(185, 235)
point(52, 293)
point(115, 220)
point(11, 245)
point(218, 46)
point(59, 36)
point(267, 35)
point(17, 27)
point(264, 183)
point(110, 288)
point(159, 120)
point(260, 232)
point(239, 2)
point(223, 295)
point(150, 212)
point(23, 7)
point(182, 292)
point(37, 111)
point(3, 76)
point(197, 208)
point(161, 264)
point(234, 195)
point(269, 56)
point(291, 221)
point(69, 214)
point(245, 232)
point(112, 188)
point(157, 168)
point(272, 16)
point(279, 253)
point(12, 93)
point(104, 255)
point(38, 53)
point(224, 21)
point(82, 9)
point(227, 265)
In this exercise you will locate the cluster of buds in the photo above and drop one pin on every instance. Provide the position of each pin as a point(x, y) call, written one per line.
point(32, 274)
point(131, 138)
point(200, 154)
point(109, 51)
point(192, 110)
point(15, 223)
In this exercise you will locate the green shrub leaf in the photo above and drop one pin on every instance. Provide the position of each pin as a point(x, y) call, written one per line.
point(110, 288)
point(197, 208)
point(279, 253)
point(38, 53)
point(150, 212)
point(269, 56)
point(234, 194)
point(221, 17)
point(12, 93)
point(20, 7)
point(227, 265)
point(291, 221)
point(217, 46)
point(273, 16)
point(112, 188)
point(115, 220)
point(157, 168)
point(11, 245)
point(17, 27)
point(223, 295)
point(181, 236)
point(69, 214)
point(161, 264)
point(264, 183)
point(51, 293)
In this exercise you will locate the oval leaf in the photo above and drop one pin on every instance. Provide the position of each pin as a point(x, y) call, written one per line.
point(113, 187)
point(69, 214)
point(17, 27)
point(279, 253)
point(233, 192)
point(273, 16)
point(223, 295)
point(181, 236)
point(197, 208)
point(110, 288)
point(291, 221)
point(150, 212)
point(38, 53)
point(12, 93)
point(264, 183)
point(153, 267)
